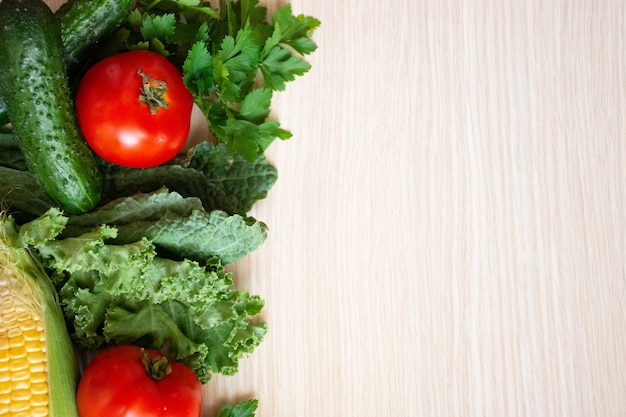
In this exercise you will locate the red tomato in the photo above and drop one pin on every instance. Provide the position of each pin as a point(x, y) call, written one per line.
point(134, 109)
point(116, 384)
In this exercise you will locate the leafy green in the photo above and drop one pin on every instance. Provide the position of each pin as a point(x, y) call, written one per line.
point(127, 293)
point(22, 195)
point(148, 265)
point(159, 26)
point(241, 409)
point(198, 70)
point(295, 31)
point(10, 154)
point(220, 180)
point(227, 55)
point(177, 226)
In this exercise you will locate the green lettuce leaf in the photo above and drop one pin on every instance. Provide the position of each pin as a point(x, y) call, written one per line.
point(126, 293)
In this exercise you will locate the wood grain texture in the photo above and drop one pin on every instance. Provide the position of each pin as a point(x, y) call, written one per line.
point(447, 235)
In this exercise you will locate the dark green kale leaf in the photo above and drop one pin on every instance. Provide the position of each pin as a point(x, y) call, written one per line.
point(221, 180)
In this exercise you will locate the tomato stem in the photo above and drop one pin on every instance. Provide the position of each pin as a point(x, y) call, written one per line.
point(157, 368)
point(152, 92)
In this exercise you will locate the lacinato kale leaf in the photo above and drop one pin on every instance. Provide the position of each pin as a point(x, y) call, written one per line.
point(221, 180)
point(10, 154)
point(22, 196)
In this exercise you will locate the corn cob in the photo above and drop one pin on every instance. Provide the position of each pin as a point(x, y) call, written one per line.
point(38, 366)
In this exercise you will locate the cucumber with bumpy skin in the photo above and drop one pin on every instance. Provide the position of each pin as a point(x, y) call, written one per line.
point(83, 24)
point(34, 84)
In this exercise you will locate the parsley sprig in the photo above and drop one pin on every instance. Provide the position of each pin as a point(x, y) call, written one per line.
point(233, 58)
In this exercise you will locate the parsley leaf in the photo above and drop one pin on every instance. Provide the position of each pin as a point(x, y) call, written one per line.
point(232, 58)
point(256, 105)
point(198, 70)
point(239, 57)
point(280, 66)
point(158, 27)
point(296, 31)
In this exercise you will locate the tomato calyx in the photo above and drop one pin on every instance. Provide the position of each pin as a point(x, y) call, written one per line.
point(157, 368)
point(152, 92)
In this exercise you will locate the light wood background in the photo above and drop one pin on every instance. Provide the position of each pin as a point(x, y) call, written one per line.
point(447, 235)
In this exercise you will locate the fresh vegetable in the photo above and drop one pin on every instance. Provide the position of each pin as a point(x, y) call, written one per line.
point(222, 181)
point(156, 117)
point(4, 116)
point(34, 84)
point(175, 225)
point(84, 23)
point(38, 368)
point(241, 409)
point(147, 265)
point(10, 154)
point(232, 60)
point(126, 293)
point(129, 381)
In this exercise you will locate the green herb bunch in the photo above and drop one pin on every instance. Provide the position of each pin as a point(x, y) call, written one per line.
point(232, 57)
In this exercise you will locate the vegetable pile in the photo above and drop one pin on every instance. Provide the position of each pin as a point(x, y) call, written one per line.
point(137, 245)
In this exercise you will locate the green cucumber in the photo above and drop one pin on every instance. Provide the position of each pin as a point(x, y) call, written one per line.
point(34, 84)
point(83, 24)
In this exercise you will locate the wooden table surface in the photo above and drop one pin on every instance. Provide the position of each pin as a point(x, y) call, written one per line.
point(448, 232)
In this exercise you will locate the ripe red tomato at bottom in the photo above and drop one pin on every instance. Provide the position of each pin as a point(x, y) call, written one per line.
point(116, 384)
point(134, 109)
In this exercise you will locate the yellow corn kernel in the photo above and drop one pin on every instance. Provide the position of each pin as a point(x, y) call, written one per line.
point(19, 406)
point(19, 364)
point(10, 320)
point(21, 394)
point(35, 356)
point(38, 400)
point(6, 309)
point(33, 334)
point(39, 411)
point(23, 376)
point(39, 376)
point(39, 388)
point(4, 356)
point(29, 316)
point(5, 387)
point(32, 346)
